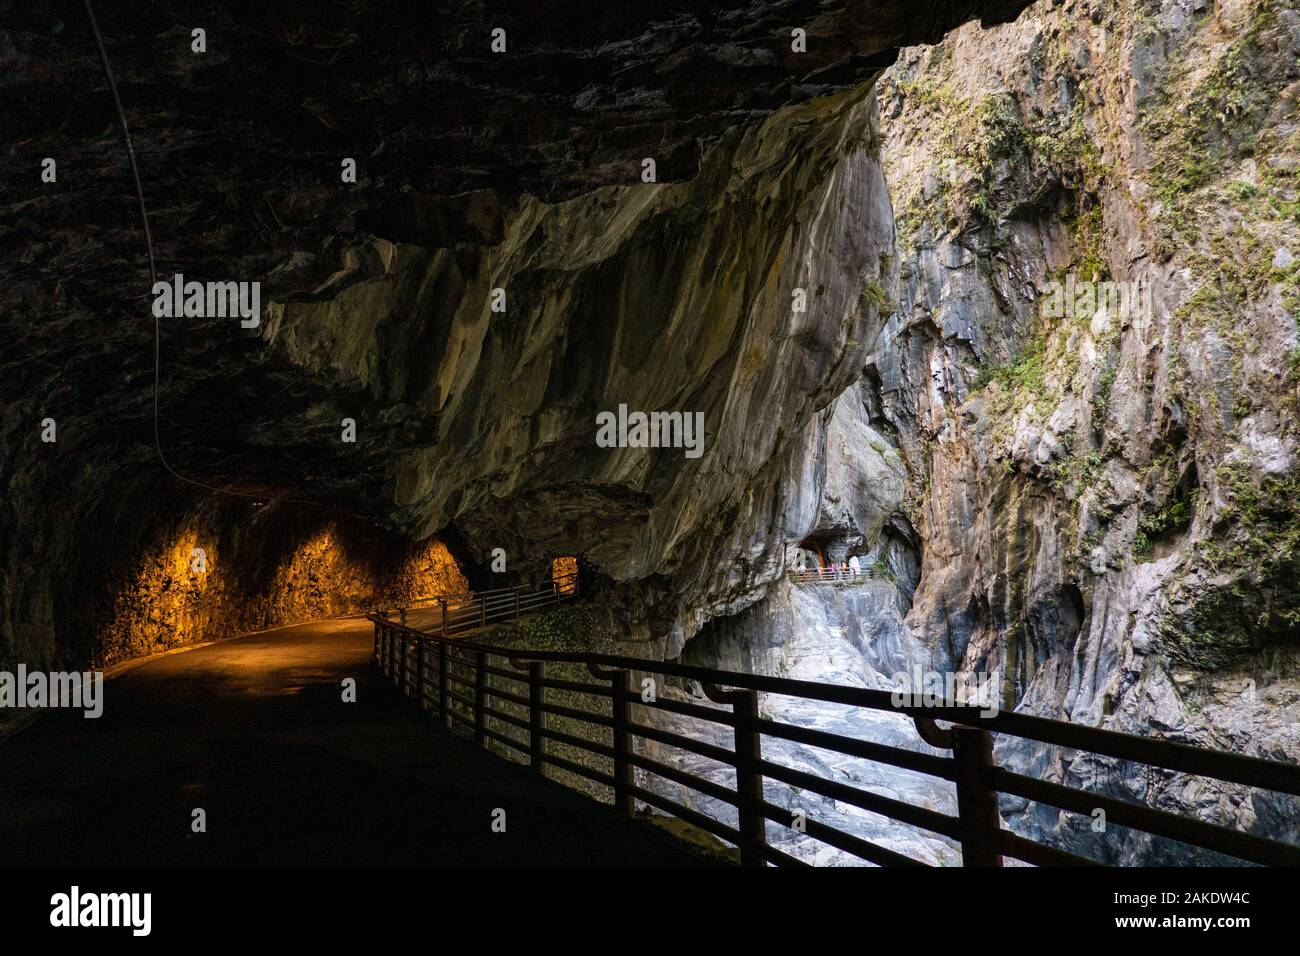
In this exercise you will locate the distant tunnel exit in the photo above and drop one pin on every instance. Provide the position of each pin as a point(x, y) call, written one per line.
point(564, 575)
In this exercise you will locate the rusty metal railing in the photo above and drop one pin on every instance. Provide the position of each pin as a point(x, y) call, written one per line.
point(465, 683)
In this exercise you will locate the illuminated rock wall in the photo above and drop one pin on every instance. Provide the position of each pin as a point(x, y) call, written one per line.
point(216, 576)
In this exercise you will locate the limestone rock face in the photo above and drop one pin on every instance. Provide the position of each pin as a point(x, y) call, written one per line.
point(863, 480)
point(476, 170)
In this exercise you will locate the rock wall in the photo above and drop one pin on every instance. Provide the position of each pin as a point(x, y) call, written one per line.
point(1102, 502)
point(476, 171)
point(672, 297)
point(227, 568)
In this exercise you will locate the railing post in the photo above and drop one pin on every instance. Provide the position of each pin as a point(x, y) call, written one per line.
point(621, 688)
point(977, 803)
point(419, 672)
point(442, 684)
point(443, 603)
point(375, 655)
point(749, 778)
point(536, 742)
point(749, 781)
point(401, 666)
point(480, 698)
point(482, 611)
point(516, 602)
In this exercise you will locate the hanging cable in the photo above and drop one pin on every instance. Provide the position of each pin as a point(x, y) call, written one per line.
point(153, 270)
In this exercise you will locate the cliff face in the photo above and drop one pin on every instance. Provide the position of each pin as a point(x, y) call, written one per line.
point(1107, 504)
point(1101, 498)
point(671, 297)
point(476, 170)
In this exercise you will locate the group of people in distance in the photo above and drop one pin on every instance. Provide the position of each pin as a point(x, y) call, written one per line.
point(808, 561)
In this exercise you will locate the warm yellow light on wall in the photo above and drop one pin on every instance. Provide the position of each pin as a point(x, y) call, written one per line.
point(162, 605)
point(564, 575)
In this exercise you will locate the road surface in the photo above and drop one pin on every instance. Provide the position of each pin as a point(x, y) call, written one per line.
point(254, 732)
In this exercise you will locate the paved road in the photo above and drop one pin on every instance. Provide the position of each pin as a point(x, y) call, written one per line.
point(254, 732)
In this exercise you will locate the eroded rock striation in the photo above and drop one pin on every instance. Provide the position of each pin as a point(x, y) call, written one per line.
point(1101, 500)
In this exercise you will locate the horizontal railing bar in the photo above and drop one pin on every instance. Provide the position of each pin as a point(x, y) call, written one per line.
point(507, 718)
point(458, 716)
point(461, 681)
point(558, 586)
point(580, 743)
point(1167, 754)
point(508, 675)
point(885, 806)
point(506, 695)
point(850, 746)
point(706, 787)
point(599, 690)
point(859, 847)
point(452, 695)
point(1184, 829)
point(701, 820)
point(526, 596)
point(697, 711)
point(1040, 854)
point(780, 857)
point(594, 775)
point(683, 743)
point(508, 741)
point(562, 711)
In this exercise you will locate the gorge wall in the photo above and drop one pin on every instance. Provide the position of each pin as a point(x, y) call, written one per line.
point(520, 172)
point(1100, 505)
point(1096, 506)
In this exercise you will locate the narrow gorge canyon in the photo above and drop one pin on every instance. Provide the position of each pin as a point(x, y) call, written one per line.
point(996, 299)
point(1098, 508)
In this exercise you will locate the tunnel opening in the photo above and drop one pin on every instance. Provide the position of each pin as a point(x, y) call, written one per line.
point(226, 566)
point(564, 574)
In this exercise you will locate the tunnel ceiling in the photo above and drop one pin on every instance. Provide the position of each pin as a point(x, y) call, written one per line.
point(474, 169)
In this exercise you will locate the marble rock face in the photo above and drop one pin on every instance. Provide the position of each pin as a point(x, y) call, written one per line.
point(1100, 506)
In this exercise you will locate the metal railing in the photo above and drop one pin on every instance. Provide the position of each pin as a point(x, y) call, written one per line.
point(465, 683)
point(470, 610)
point(829, 576)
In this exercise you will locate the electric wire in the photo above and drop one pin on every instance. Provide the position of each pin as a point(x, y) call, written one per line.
point(153, 272)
